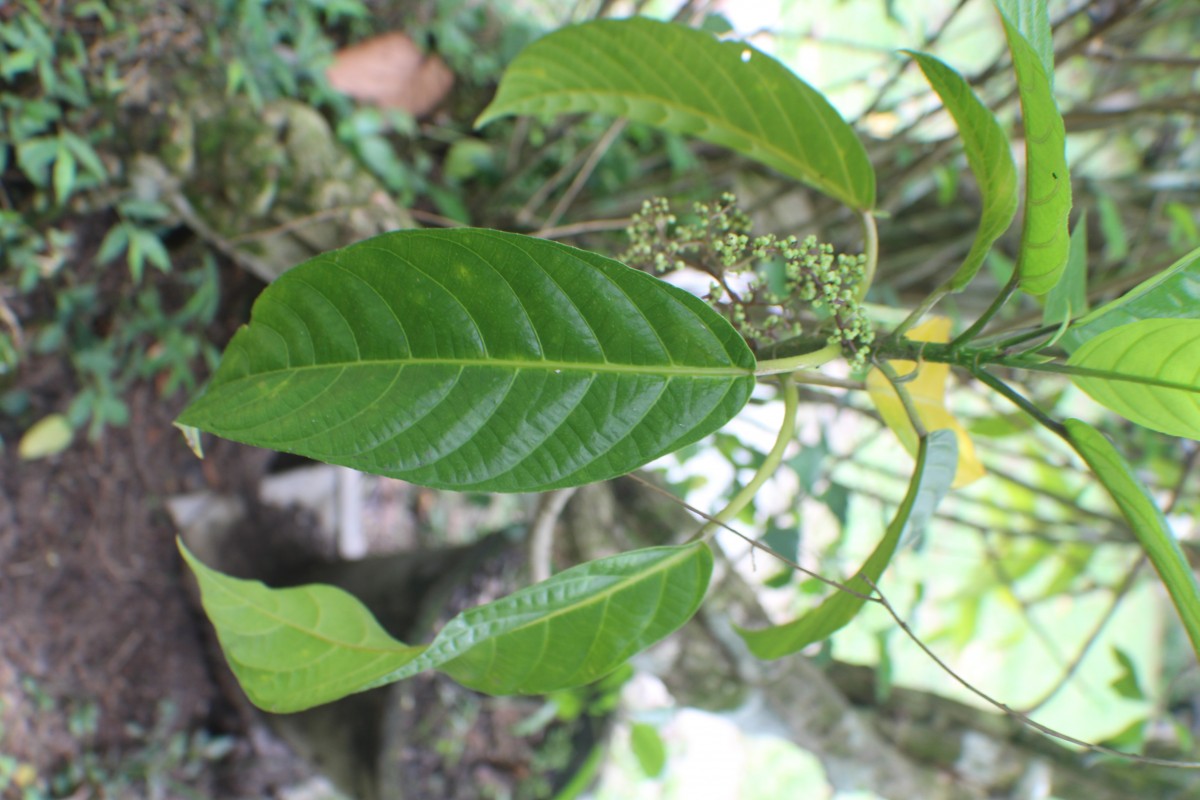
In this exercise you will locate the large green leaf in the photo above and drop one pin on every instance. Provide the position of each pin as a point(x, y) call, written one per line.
point(1148, 372)
point(293, 649)
point(472, 359)
point(937, 458)
point(1145, 520)
point(1044, 239)
point(1173, 293)
point(686, 81)
point(988, 154)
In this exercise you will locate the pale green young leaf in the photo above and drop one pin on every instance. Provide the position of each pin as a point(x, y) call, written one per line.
point(988, 154)
point(476, 360)
point(1173, 293)
point(937, 459)
point(1044, 239)
point(1148, 372)
point(686, 81)
point(296, 648)
point(1068, 298)
point(1145, 520)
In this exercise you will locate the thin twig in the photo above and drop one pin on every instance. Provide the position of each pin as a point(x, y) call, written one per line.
point(1008, 710)
point(585, 172)
point(754, 543)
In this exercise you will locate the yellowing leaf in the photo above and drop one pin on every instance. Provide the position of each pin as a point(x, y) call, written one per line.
point(49, 436)
point(928, 392)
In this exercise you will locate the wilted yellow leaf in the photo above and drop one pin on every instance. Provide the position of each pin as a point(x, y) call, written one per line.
point(928, 392)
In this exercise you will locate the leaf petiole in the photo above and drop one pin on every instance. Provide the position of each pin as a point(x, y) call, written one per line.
point(783, 366)
point(787, 430)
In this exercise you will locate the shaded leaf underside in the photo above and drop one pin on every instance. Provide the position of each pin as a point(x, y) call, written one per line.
point(688, 82)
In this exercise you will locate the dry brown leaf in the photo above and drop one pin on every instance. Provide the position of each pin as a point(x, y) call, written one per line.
point(390, 71)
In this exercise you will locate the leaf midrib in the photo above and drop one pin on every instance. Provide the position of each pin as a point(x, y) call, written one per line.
point(622, 583)
point(516, 364)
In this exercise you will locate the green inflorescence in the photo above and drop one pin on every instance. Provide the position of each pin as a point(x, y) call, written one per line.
point(770, 288)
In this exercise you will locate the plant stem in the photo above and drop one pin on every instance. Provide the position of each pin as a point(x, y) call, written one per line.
point(780, 366)
point(871, 251)
point(787, 430)
point(988, 313)
point(912, 319)
point(1021, 402)
point(1103, 374)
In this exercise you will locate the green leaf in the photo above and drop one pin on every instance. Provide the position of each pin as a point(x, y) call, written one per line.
point(293, 649)
point(1145, 519)
point(1068, 298)
point(648, 748)
point(937, 459)
point(988, 154)
point(64, 174)
point(476, 360)
point(1044, 239)
point(1032, 19)
point(686, 81)
point(577, 626)
point(1126, 684)
point(1148, 372)
point(1173, 293)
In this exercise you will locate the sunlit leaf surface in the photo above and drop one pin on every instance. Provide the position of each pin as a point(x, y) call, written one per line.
point(1154, 366)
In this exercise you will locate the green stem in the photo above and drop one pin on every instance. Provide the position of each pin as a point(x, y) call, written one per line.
point(780, 366)
point(1044, 330)
point(1021, 402)
point(791, 401)
point(988, 313)
point(1102, 374)
point(871, 251)
point(912, 319)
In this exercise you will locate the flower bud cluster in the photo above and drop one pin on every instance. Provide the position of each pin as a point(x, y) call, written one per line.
point(782, 284)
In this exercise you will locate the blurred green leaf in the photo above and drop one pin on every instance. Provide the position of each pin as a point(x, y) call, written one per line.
point(648, 748)
point(1126, 683)
point(1146, 521)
